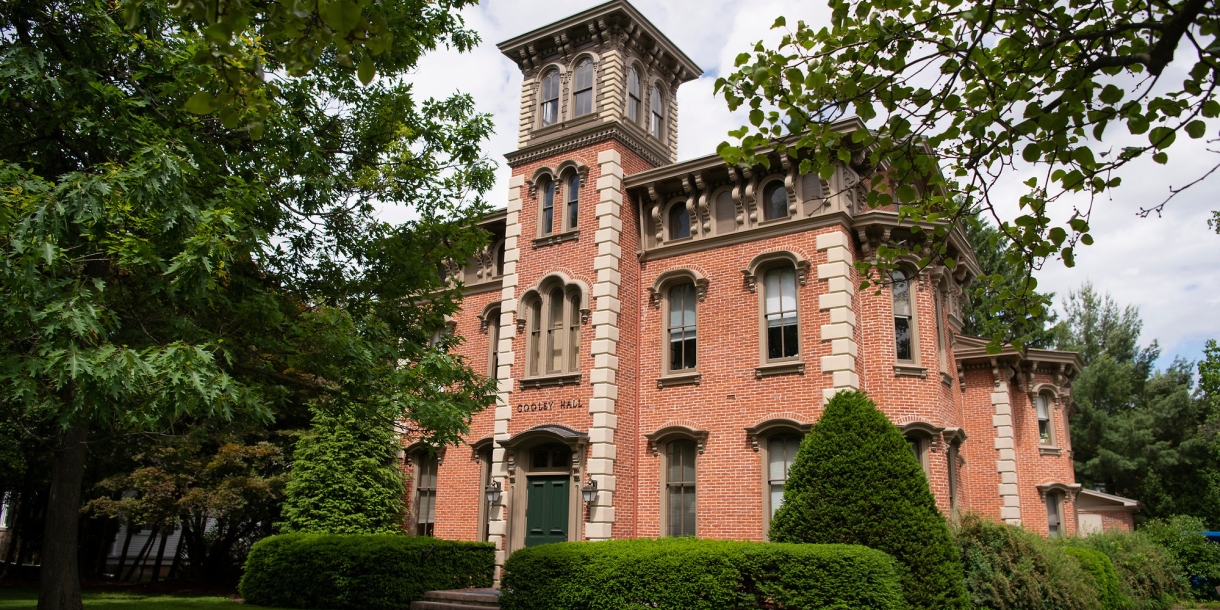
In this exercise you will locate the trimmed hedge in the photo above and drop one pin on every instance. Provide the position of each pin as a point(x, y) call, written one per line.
point(1147, 572)
point(692, 574)
point(856, 481)
point(1105, 578)
point(360, 571)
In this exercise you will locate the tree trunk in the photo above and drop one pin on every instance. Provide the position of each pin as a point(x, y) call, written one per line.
point(118, 572)
point(156, 574)
point(59, 586)
point(12, 539)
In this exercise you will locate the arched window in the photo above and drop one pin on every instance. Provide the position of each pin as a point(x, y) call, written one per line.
point(679, 221)
point(554, 338)
point(550, 98)
point(904, 322)
point(583, 88)
point(775, 201)
point(680, 487)
point(535, 337)
point(654, 122)
point(1046, 426)
point(573, 199)
point(500, 248)
point(548, 207)
point(781, 452)
point(493, 341)
point(681, 327)
point(920, 445)
point(424, 506)
point(554, 331)
point(1054, 513)
point(633, 95)
point(780, 319)
point(725, 213)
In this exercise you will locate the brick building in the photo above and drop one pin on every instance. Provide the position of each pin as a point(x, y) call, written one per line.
point(667, 331)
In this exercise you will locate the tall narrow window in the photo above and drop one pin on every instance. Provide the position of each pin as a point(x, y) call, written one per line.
point(941, 340)
point(573, 199)
point(500, 258)
point(919, 446)
point(901, 289)
point(584, 88)
point(781, 451)
point(554, 330)
point(955, 448)
point(1046, 432)
point(781, 320)
point(726, 213)
point(633, 95)
point(425, 494)
point(484, 481)
point(654, 122)
point(573, 330)
point(679, 221)
point(493, 339)
point(682, 327)
point(775, 201)
point(680, 487)
point(550, 98)
point(548, 207)
point(1054, 513)
point(535, 347)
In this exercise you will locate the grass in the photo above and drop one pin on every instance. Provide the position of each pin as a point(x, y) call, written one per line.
point(27, 599)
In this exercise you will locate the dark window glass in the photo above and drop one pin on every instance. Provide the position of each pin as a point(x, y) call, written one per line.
point(780, 298)
point(1054, 520)
point(901, 289)
point(573, 330)
point(954, 449)
point(573, 199)
point(493, 340)
point(679, 221)
point(682, 327)
point(548, 207)
point(680, 487)
point(550, 98)
point(654, 123)
point(1043, 405)
point(726, 213)
point(775, 201)
point(500, 258)
point(633, 95)
point(550, 457)
point(535, 346)
point(554, 331)
point(584, 88)
point(425, 494)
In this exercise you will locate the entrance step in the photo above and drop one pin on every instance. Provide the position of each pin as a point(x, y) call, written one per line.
point(460, 599)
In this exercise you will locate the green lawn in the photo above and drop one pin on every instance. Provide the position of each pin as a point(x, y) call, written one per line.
point(27, 599)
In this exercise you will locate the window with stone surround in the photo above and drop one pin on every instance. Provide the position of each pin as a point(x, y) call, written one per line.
point(493, 342)
point(553, 318)
point(680, 487)
point(633, 95)
point(774, 201)
point(781, 329)
point(549, 109)
point(1054, 513)
point(546, 220)
point(656, 116)
point(423, 508)
point(571, 213)
point(724, 212)
point(1046, 426)
point(904, 316)
point(582, 89)
point(781, 452)
point(920, 444)
point(955, 450)
point(680, 328)
point(678, 220)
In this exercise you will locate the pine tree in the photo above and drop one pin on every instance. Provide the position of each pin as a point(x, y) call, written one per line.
point(856, 481)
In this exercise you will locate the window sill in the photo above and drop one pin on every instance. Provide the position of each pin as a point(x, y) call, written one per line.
point(910, 370)
point(1048, 450)
point(946, 379)
point(779, 368)
point(676, 379)
point(562, 125)
point(556, 238)
point(551, 380)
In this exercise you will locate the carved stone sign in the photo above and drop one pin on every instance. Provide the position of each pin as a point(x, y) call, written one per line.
point(549, 405)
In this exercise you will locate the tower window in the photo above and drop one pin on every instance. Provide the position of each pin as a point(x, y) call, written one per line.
point(550, 98)
point(903, 322)
point(1046, 429)
point(633, 95)
point(548, 207)
point(1054, 514)
point(654, 124)
point(584, 88)
point(573, 199)
point(554, 320)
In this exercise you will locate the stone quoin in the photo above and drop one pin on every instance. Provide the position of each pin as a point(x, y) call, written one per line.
point(670, 330)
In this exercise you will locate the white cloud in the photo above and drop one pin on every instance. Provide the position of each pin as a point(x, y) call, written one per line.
point(1166, 266)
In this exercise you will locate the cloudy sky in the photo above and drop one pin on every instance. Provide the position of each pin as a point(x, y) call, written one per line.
point(1169, 267)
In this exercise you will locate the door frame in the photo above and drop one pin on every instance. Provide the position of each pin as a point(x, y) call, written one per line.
point(516, 456)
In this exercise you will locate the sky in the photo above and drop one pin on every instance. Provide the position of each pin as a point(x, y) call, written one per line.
point(1165, 266)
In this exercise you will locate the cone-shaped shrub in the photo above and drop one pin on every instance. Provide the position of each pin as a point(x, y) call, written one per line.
point(856, 481)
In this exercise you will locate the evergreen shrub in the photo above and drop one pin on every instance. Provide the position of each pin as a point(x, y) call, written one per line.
point(1148, 573)
point(360, 571)
point(1109, 593)
point(692, 574)
point(1008, 568)
point(856, 481)
point(1183, 537)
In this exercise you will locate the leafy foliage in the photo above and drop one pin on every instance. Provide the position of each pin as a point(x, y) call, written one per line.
point(1200, 558)
point(1105, 579)
point(1148, 573)
point(856, 481)
point(690, 574)
point(381, 572)
point(345, 478)
point(985, 314)
point(1008, 567)
point(982, 88)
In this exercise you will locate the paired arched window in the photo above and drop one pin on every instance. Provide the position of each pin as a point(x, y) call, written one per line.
point(679, 221)
point(550, 98)
point(775, 201)
point(780, 314)
point(681, 327)
point(1046, 425)
point(583, 89)
point(655, 116)
point(904, 319)
point(680, 487)
point(633, 95)
point(554, 339)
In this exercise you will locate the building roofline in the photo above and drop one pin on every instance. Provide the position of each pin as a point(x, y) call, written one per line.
point(1101, 495)
point(968, 348)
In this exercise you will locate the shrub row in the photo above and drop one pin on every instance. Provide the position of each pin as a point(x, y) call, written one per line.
point(691, 574)
point(1148, 574)
point(367, 572)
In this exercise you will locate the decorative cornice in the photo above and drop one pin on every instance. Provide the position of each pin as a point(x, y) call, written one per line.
point(614, 131)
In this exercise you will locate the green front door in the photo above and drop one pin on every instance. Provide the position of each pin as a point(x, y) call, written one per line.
point(546, 511)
